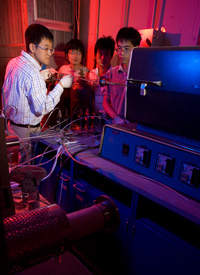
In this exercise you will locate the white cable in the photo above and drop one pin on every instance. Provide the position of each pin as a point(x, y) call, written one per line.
point(78, 119)
point(25, 162)
point(46, 152)
point(70, 155)
point(44, 163)
point(48, 118)
point(61, 187)
point(59, 151)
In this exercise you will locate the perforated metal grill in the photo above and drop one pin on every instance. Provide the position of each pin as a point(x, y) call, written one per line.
point(35, 236)
point(60, 38)
point(58, 10)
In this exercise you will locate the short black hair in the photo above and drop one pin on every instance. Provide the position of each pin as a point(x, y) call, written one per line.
point(75, 44)
point(35, 33)
point(105, 43)
point(129, 34)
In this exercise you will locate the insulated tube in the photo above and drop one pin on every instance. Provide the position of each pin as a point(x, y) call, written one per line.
point(38, 235)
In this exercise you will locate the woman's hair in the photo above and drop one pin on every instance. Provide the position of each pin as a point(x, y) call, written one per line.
point(75, 44)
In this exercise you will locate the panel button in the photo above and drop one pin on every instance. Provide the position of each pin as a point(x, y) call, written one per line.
point(125, 150)
point(142, 156)
point(190, 174)
point(165, 165)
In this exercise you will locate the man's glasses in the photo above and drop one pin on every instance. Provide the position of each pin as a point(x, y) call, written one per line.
point(47, 50)
point(124, 49)
point(73, 52)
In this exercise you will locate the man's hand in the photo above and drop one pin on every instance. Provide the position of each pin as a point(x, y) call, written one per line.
point(47, 73)
point(66, 81)
point(119, 120)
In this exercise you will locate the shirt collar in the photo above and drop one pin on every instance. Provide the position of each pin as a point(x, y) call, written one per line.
point(31, 59)
point(97, 70)
point(120, 68)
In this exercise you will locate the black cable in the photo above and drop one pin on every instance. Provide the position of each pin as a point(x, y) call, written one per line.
point(60, 171)
point(76, 19)
point(3, 247)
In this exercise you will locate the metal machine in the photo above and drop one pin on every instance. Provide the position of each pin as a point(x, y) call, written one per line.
point(31, 237)
point(163, 95)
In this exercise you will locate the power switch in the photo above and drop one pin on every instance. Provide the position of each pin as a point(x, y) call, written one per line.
point(190, 174)
point(142, 156)
point(125, 150)
point(165, 165)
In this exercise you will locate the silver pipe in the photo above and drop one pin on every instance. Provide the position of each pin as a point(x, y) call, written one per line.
point(154, 13)
point(126, 16)
point(99, 8)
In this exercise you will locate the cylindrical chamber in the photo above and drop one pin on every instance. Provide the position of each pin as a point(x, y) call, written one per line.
point(40, 234)
point(35, 236)
point(81, 99)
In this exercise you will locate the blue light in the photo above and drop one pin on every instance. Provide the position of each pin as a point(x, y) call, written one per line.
point(177, 68)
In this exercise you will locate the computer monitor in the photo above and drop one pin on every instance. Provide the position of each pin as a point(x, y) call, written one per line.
point(175, 105)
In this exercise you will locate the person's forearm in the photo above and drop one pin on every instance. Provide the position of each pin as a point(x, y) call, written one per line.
point(109, 110)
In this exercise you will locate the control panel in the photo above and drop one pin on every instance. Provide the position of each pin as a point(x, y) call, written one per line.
point(163, 160)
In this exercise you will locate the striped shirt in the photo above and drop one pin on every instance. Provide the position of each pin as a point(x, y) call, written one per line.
point(25, 92)
point(116, 93)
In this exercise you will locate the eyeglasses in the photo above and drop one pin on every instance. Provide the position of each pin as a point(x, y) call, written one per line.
point(47, 50)
point(124, 49)
point(75, 52)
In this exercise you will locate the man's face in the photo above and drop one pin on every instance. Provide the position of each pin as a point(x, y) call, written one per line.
point(124, 48)
point(43, 51)
point(103, 58)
